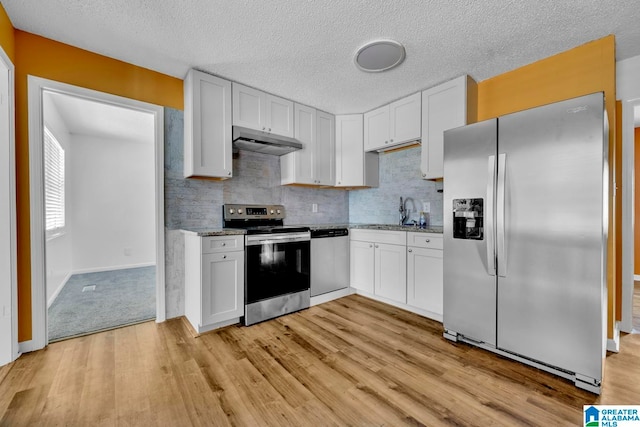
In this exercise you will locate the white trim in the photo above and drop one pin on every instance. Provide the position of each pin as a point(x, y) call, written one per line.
point(112, 268)
point(36, 86)
point(424, 313)
point(13, 304)
point(628, 212)
point(57, 292)
point(636, 277)
point(330, 296)
point(613, 344)
point(27, 346)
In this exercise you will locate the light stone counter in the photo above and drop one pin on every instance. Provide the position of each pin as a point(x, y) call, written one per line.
point(204, 231)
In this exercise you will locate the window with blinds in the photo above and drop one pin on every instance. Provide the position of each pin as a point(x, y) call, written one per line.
point(53, 184)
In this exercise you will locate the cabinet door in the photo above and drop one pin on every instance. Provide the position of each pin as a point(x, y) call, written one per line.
point(249, 107)
point(279, 116)
point(425, 279)
point(325, 149)
point(443, 107)
point(305, 132)
point(361, 257)
point(349, 151)
point(222, 286)
point(391, 272)
point(207, 126)
point(376, 128)
point(405, 119)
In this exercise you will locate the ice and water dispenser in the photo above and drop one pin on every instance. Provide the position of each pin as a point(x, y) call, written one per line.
point(468, 219)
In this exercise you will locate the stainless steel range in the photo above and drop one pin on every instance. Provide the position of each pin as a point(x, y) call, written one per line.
point(277, 261)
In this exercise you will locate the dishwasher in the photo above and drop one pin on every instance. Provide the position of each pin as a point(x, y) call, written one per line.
point(329, 260)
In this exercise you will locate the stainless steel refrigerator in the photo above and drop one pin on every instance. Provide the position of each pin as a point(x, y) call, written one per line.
point(525, 231)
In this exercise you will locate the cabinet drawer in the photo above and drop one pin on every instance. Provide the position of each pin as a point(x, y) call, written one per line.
point(222, 243)
point(379, 236)
point(424, 240)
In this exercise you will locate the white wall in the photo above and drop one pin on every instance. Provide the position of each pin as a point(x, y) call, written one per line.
point(112, 210)
point(58, 250)
point(628, 91)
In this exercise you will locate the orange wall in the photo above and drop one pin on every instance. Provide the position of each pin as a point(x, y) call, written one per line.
point(6, 34)
point(41, 57)
point(636, 228)
point(582, 70)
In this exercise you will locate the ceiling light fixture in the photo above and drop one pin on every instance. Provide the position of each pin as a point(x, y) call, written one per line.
point(379, 55)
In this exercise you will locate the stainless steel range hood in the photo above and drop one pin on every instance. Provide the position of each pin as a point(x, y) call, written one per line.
point(263, 142)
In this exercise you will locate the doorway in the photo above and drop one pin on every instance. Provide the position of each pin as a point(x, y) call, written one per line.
point(99, 195)
point(96, 250)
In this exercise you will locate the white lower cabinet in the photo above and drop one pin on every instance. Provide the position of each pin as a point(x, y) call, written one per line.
point(379, 263)
point(425, 273)
point(214, 281)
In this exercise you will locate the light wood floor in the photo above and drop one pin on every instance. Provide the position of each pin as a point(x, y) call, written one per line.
point(351, 361)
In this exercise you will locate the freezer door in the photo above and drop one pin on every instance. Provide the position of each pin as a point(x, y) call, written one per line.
point(469, 253)
point(553, 196)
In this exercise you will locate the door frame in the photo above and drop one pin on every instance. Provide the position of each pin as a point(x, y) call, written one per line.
point(628, 211)
point(36, 86)
point(8, 167)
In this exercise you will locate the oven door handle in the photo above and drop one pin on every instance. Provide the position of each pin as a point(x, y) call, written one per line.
point(277, 238)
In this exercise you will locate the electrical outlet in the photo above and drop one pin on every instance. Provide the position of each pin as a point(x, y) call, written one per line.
point(426, 207)
point(314, 208)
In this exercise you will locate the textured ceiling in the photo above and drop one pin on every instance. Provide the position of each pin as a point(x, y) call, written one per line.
point(303, 49)
point(85, 117)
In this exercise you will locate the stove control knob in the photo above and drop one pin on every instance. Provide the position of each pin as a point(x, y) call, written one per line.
point(232, 211)
point(240, 211)
point(278, 211)
point(272, 212)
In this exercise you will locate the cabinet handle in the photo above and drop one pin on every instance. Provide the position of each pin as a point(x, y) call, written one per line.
point(424, 174)
point(370, 246)
point(410, 250)
point(224, 257)
point(392, 140)
point(428, 240)
point(269, 129)
point(377, 246)
point(386, 142)
point(224, 244)
point(229, 173)
point(264, 128)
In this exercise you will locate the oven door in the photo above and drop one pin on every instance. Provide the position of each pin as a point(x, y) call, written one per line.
point(276, 265)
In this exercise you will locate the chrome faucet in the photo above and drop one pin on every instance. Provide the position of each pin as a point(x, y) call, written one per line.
point(403, 212)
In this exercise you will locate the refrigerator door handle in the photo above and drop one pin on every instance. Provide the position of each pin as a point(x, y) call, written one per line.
point(500, 204)
point(489, 220)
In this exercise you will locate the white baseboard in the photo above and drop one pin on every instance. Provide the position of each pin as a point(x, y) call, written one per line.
point(431, 315)
point(26, 347)
point(57, 292)
point(112, 268)
point(330, 296)
point(636, 277)
point(613, 344)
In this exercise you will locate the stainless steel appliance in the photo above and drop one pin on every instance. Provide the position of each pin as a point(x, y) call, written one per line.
point(329, 260)
point(525, 230)
point(264, 142)
point(277, 261)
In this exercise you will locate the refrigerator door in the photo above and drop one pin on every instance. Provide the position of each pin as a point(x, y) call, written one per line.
point(469, 253)
point(551, 192)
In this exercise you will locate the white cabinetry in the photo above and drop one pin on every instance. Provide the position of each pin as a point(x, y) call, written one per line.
point(379, 263)
point(354, 167)
point(207, 126)
point(262, 111)
point(314, 163)
point(214, 281)
point(446, 106)
point(425, 273)
point(393, 125)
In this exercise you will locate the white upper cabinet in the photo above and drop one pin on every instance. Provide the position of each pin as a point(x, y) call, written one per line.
point(354, 167)
point(314, 163)
point(325, 153)
point(262, 111)
point(207, 126)
point(446, 106)
point(393, 125)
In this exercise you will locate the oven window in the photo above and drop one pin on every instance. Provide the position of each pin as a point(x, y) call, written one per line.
point(276, 269)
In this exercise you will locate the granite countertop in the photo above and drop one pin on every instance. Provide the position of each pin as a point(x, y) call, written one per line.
point(204, 231)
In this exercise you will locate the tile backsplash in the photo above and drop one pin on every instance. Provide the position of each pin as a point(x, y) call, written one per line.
point(256, 179)
point(400, 176)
